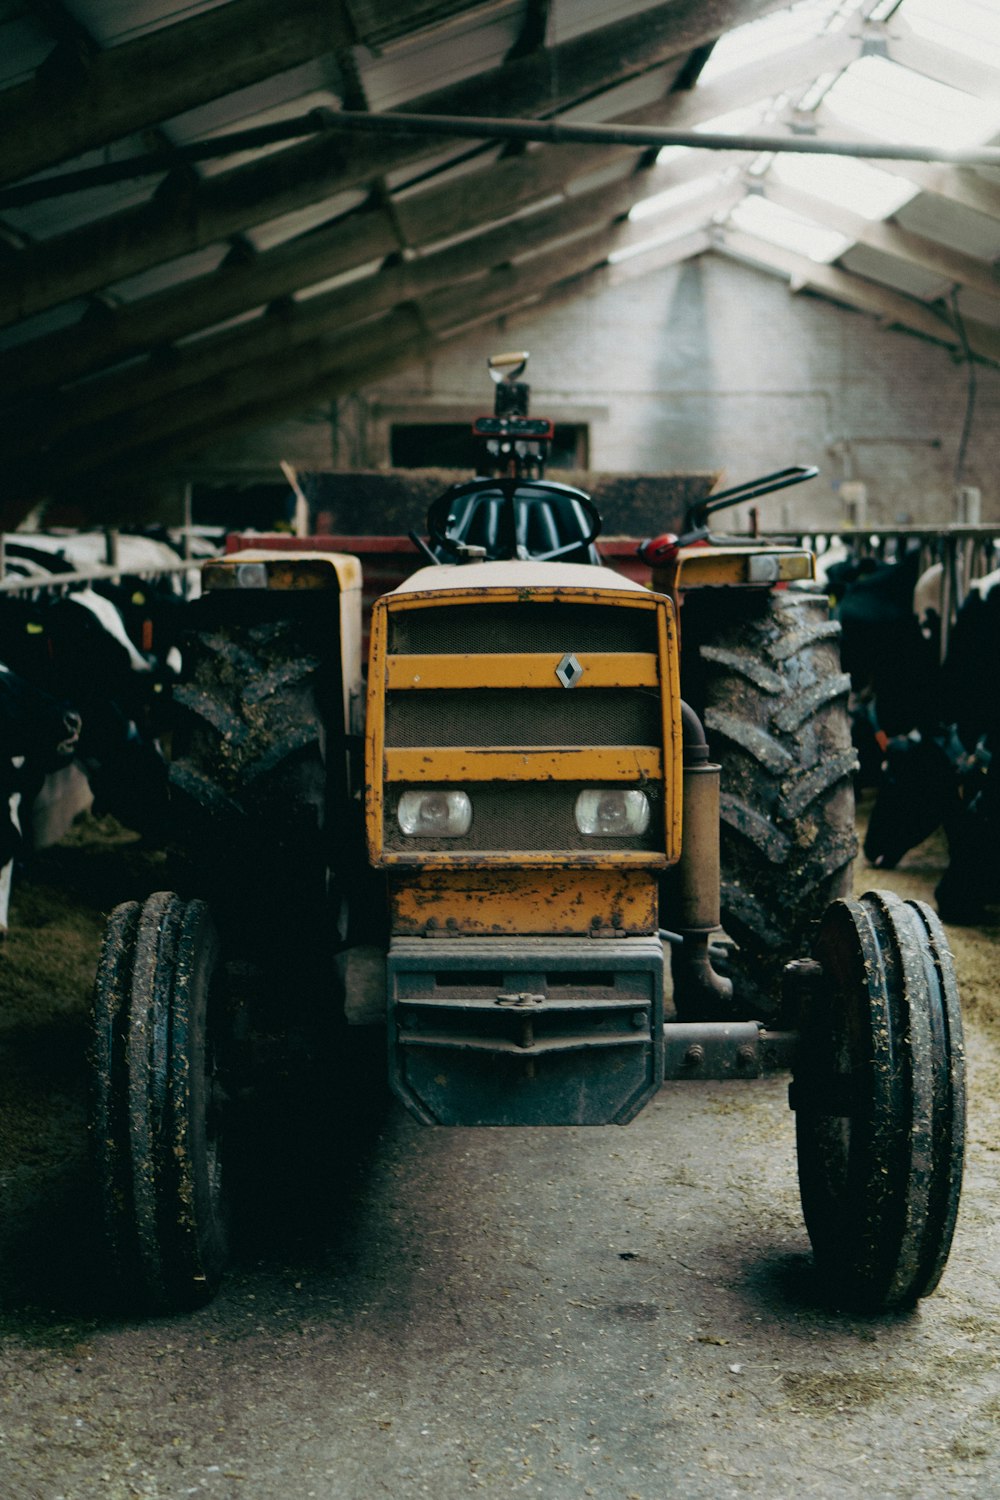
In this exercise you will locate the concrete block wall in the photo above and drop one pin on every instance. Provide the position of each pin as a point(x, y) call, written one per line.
point(713, 364)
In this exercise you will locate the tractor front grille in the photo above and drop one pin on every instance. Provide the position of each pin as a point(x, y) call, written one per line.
point(522, 702)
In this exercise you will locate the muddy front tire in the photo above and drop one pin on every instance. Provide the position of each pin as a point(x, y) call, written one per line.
point(879, 1094)
point(763, 670)
point(159, 1101)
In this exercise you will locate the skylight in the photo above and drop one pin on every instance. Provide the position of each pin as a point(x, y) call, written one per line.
point(773, 34)
point(791, 231)
point(845, 182)
point(896, 104)
point(968, 26)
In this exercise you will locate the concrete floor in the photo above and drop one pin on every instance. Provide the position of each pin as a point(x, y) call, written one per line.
point(621, 1313)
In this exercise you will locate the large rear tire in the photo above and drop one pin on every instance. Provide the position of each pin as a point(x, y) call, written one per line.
point(159, 1050)
point(879, 1094)
point(248, 775)
point(762, 668)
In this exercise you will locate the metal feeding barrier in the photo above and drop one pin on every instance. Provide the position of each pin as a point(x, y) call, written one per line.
point(965, 553)
point(18, 584)
point(113, 568)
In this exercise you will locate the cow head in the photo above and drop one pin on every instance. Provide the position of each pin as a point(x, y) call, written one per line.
point(35, 726)
point(918, 790)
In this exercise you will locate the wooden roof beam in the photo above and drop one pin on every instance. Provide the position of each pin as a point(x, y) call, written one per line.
point(966, 186)
point(64, 111)
point(183, 217)
point(284, 351)
point(275, 333)
point(385, 347)
point(890, 307)
point(890, 239)
point(301, 365)
point(364, 236)
point(575, 226)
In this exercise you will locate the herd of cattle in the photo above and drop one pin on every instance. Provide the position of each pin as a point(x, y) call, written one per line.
point(85, 676)
point(84, 679)
point(926, 723)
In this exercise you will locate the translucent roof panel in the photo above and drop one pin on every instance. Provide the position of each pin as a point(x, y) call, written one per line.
point(896, 104)
point(846, 182)
point(969, 26)
point(791, 231)
point(773, 34)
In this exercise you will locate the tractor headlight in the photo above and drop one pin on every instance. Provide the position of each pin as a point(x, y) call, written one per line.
point(435, 814)
point(611, 812)
point(251, 575)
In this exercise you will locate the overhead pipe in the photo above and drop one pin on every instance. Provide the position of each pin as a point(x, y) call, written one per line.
point(543, 132)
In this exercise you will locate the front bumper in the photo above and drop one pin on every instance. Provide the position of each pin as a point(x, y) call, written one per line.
point(525, 1031)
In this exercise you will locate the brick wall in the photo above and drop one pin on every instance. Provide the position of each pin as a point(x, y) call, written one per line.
point(712, 364)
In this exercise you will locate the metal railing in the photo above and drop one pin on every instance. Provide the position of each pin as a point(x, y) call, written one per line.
point(113, 568)
point(964, 552)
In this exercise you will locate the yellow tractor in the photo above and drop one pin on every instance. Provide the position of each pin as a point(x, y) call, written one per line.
point(552, 796)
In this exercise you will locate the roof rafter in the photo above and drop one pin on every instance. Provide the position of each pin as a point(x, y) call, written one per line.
point(183, 217)
point(892, 308)
point(288, 353)
point(89, 102)
point(891, 239)
point(584, 228)
point(437, 214)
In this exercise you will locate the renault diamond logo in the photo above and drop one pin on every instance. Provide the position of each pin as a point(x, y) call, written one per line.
point(569, 671)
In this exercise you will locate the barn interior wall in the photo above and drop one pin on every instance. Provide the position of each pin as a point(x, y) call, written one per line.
point(712, 364)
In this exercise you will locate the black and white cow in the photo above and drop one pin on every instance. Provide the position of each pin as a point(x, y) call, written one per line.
point(74, 647)
point(152, 605)
point(38, 736)
point(890, 654)
point(950, 775)
point(99, 659)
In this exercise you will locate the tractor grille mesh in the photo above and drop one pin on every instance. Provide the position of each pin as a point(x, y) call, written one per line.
point(529, 626)
point(523, 716)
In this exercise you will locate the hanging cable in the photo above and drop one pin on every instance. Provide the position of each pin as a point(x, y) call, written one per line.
point(970, 389)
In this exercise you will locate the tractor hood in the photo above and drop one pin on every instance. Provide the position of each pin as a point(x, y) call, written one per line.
point(516, 574)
